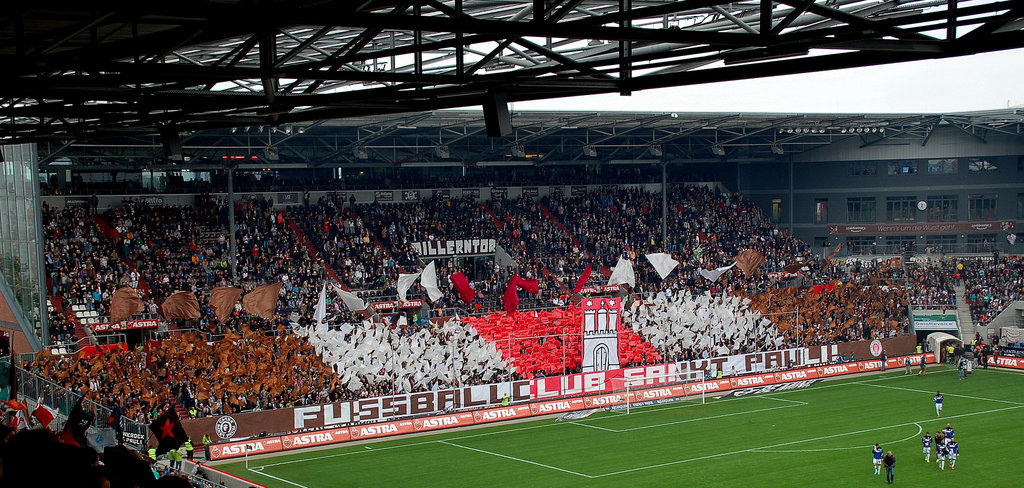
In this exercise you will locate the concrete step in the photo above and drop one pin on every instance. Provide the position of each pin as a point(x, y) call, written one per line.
point(963, 313)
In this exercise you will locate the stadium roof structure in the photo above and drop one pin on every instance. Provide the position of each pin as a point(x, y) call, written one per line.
point(458, 137)
point(81, 70)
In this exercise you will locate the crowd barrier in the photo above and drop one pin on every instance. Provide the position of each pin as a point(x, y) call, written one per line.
point(264, 445)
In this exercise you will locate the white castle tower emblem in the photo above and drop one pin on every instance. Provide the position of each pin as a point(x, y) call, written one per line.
point(601, 334)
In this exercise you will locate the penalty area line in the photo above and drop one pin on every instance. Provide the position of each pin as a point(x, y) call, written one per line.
point(754, 449)
point(260, 472)
point(513, 458)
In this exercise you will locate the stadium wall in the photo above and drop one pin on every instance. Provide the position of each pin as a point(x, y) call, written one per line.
point(951, 164)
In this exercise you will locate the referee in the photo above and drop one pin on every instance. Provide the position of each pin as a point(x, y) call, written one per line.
point(890, 466)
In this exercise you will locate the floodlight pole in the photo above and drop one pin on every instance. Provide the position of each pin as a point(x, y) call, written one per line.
point(232, 250)
point(664, 206)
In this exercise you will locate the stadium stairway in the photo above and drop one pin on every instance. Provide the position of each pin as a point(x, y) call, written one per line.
point(500, 225)
point(310, 249)
point(604, 269)
point(111, 235)
point(963, 313)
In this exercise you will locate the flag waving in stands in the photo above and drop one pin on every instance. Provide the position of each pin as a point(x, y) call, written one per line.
point(78, 422)
point(43, 414)
point(168, 431)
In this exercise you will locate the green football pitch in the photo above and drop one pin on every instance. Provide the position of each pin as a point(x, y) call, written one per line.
point(816, 436)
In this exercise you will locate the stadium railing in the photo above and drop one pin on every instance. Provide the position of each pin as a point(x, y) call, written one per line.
point(36, 388)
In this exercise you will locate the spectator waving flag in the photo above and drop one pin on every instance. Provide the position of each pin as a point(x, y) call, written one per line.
point(43, 414)
point(353, 302)
point(169, 433)
point(78, 422)
point(262, 300)
point(181, 305)
point(662, 262)
point(405, 281)
point(748, 261)
point(124, 304)
point(583, 279)
point(429, 282)
point(321, 306)
point(717, 273)
point(1011, 238)
point(466, 292)
point(623, 274)
point(511, 298)
point(223, 300)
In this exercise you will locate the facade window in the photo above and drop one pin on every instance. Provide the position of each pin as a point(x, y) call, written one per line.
point(901, 209)
point(902, 167)
point(776, 210)
point(863, 169)
point(982, 206)
point(898, 244)
point(980, 242)
point(980, 165)
point(1020, 206)
point(860, 245)
point(948, 166)
point(821, 210)
point(860, 210)
point(941, 243)
point(942, 208)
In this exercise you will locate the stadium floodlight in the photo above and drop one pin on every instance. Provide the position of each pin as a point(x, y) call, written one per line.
point(360, 152)
point(718, 149)
point(656, 150)
point(641, 391)
point(590, 151)
point(777, 149)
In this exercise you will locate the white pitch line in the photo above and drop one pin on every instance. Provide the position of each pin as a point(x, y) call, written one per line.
point(919, 430)
point(513, 458)
point(260, 472)
point(686, 421)
point(946, 394)
point(712, 456)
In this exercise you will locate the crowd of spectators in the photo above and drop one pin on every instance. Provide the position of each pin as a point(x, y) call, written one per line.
point(992, 285)
point(368, 245)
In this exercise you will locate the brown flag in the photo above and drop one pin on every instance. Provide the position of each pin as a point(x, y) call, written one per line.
point(748, 261)
point(262, 300)
point(181, 305)
point(223, 300)
point(833, 254)
point(793, 268)
point(124, 304)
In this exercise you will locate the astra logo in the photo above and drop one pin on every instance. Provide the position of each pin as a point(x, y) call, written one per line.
point(550, 407)
point(440, 422)
point(653, 393)
point(835, 369)
point(307, 439)
point(240, 448)
point(749, 381)
point(790, 376)
point(497, 414)
point(376, 430)
point(603, 400)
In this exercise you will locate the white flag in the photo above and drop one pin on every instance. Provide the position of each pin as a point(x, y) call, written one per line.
point(404, 282)
point(623, 273)
point(1011, 238)
point(351, 301)
point(714, 275)
point(663, 263)
point(428, 279)
point(321, 306)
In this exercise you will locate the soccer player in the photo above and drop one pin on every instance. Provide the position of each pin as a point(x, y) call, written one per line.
point(926, 442)
point(938, 404)
point(952, 451)
point(940, 452)
point(877, 458)
point(948, 432)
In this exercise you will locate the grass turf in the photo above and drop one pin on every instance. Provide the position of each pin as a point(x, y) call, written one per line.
point(817, 436)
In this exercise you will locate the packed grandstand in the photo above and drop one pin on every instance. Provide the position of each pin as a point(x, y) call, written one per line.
point(210, 367)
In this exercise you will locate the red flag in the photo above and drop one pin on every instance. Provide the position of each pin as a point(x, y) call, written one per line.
point(466, 293)
point(43, 414)
point(78, 422)
point(511, 299)
point(583, 280)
